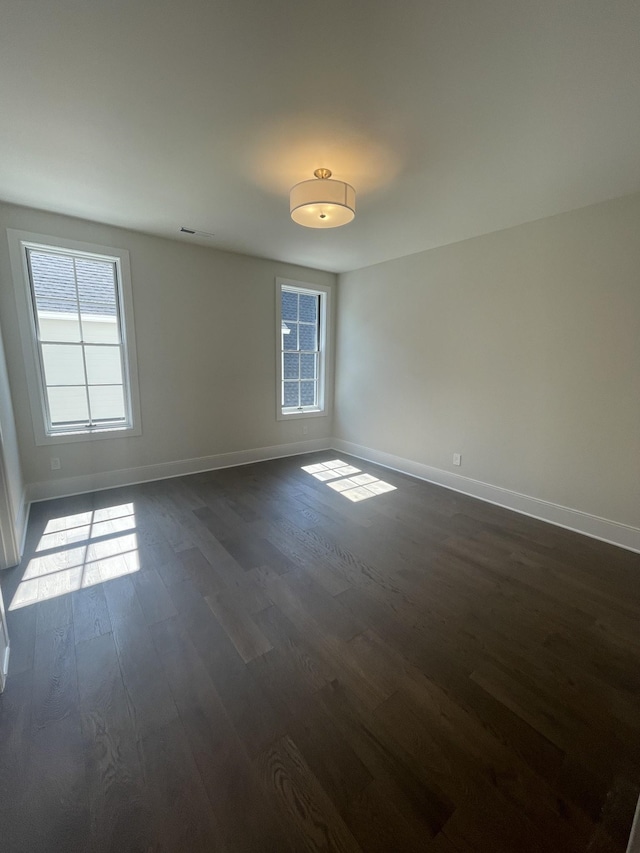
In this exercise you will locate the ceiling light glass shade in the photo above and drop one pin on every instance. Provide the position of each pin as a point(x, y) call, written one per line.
point(322, 203)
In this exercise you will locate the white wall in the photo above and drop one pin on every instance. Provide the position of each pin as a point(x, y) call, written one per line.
point(11, 459)
point(519, 349)
point(205, 329)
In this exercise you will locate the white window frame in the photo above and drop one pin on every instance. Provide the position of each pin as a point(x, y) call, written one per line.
point(322, 409)
point(19, 243)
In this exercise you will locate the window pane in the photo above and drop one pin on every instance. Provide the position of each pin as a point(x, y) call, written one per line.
point(96, 286)
point(308, 308)
point(67, 405)
point(103, 365)
point(53, 281)
point(308, 337)
point(54, 291)
point(308, 366)
point(107, 402)
point(290, 394)
point(307, 393)
point(289, 305)
point(98, 305)
point(291, 366)
point(62, 364)
point(59, 327)
point(100, 330)
point(290, 341)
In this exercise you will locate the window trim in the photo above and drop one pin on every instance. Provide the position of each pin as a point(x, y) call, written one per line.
point(19, 242)
point(324, 353)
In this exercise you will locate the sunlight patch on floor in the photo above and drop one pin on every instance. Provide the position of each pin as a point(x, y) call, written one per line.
point(330, 470)
point(348, 481)
point(78, 551)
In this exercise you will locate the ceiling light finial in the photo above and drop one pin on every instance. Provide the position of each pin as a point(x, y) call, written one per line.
point(322, 203)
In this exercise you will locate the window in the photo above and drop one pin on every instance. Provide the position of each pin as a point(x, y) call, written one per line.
point(302, 341)
point(77, 328)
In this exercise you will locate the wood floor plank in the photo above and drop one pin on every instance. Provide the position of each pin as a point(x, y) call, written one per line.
point(183, 816)
point(170, 517)
point(330, 650)
point(323, 607)
point(55, 690)
point(195, 566)
point(219, 518)
point(302, 800)
point(120, 814)
point(486, 823)
point(442, 844)
point(171, 569)
point(210, 546)
point(257, 718)
point(251, 551)
point(21, 625)
point(379, 826)
point(52, 614)
point(248, 591)
point(399, 776)
point(90, 614)
point(150, 702)
point(243, 632)
point(15, 757)
point(55, 814)
point(154, 599)
point(291, 672)
point(553, 721)
point(333, 762)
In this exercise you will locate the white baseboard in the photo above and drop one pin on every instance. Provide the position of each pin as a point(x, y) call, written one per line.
point(146, 473)
point(623, 535)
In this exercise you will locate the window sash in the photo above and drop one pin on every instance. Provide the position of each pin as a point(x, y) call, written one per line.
point(318, 352)
point(307, 406)
point(90, 424)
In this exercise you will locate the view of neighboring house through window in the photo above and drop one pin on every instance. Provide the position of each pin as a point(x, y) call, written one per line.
point(302, 323)
point(80, 353)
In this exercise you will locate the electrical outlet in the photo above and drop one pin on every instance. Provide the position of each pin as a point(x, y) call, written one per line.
point(55, 463)
point(457, 458)
point(305, 430)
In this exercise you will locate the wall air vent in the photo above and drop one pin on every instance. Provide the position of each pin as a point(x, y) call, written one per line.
point(196, 233)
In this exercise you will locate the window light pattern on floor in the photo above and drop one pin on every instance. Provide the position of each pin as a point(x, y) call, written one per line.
point(77, 551)
point(348, 481)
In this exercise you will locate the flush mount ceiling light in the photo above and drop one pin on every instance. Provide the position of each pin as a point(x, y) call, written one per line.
point(322, 203)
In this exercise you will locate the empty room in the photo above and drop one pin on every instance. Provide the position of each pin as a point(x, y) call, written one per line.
point(319, 426)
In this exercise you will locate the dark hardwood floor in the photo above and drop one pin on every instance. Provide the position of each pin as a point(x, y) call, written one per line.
point(251, 660)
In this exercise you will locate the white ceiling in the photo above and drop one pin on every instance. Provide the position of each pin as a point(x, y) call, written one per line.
point(452, 118)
